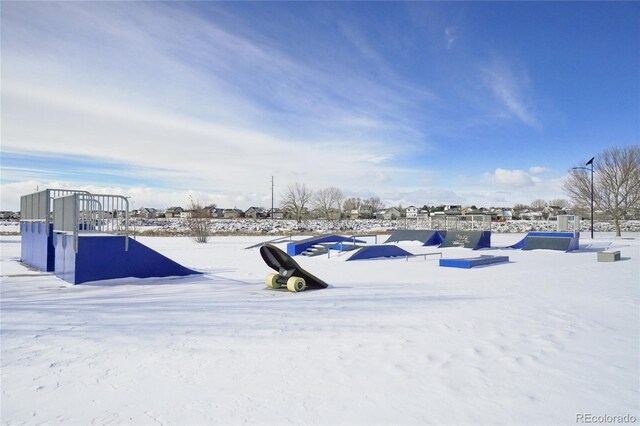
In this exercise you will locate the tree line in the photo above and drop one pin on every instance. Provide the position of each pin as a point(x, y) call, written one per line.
point(615, 191)
point(614, 185)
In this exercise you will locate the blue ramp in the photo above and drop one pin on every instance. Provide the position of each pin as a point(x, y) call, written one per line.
point(426, 237)
point(373, 252)
point(562, 241)
point(297, 247)
point(468, 239)
point(468, 263)
point(103, 257)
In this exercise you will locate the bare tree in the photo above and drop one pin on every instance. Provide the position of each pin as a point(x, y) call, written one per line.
point(338, 199)
point(295, 200)
point(616, 185)
point(328, 202)
point(520, 206)
point(375, 203)
point(619, 182)
point(560, 202)
point(538, 204)
point(353, 203)
point(198, 221)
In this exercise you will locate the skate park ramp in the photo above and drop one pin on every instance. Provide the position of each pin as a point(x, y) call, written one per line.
point(468, 239)
point(36, 248)
point(470, 262)
point(426, 237)
point(373, 252)
point(105, 257)
point(297, 247)
point(561, 241)
point(274, 241)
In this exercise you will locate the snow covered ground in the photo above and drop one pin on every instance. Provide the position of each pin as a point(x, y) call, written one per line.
point(540, 340)
point(172, 227)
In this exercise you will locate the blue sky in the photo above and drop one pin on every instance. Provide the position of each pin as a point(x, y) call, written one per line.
point(418, 103)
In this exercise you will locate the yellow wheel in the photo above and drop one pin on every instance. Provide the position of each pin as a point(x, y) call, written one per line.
point(272, 281)
point(296, 284)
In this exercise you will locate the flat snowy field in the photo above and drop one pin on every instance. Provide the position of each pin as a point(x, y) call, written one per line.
point(540, 340)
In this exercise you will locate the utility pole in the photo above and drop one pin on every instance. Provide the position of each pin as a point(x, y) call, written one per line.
point(590, 162)
point(271, 197)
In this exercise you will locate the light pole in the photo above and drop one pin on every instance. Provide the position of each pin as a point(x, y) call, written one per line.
point(590, 162)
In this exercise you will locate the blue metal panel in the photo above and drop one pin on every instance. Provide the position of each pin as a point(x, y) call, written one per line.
point(372, 252)
point(485, 240)
point(436, 239)
point(468, 239)
point(467, 263)
point(104, 257)
point(36, 246)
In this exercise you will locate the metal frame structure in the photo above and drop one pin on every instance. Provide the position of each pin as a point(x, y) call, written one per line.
point(569, 223)
point(38, 207)
point(87, 213)
point(452, 223)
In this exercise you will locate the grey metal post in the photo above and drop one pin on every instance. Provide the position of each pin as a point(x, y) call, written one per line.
point(591, 163)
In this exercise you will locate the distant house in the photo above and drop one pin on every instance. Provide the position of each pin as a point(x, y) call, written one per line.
point(277, 214)
point(186, 214)
point(6, 215)
point(215, 212)
point(388, 214)
point(529, 215)
point(173, 212)
point(411, 212)
point(554, 211)
point(256, 212)
point(364, 212)
point(232, 213)
point(504, 215)
point(148, 213)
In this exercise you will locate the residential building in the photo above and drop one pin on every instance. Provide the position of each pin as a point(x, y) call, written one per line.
point(148, 213)
point(256, 212)
point(232, 213)
point(388, 214)
point(173, 212)
point(411, 212)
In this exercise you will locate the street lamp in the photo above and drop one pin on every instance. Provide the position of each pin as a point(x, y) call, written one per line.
point(590, 162)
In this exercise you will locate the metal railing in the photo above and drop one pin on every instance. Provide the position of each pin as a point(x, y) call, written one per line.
point(38, 207)
point(568, 223)
point(450, 223)
point(85, 213)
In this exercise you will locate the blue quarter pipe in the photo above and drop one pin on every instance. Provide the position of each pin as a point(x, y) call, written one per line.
point(373, 252)
point(562, 241)
point(426, 237)
point(468, 239)
point(103, 257)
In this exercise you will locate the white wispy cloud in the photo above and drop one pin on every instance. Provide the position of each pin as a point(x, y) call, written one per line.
point(536, 170)
point(509, 178)
point(510, 86)
point(169, 89)
point(451, 35)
